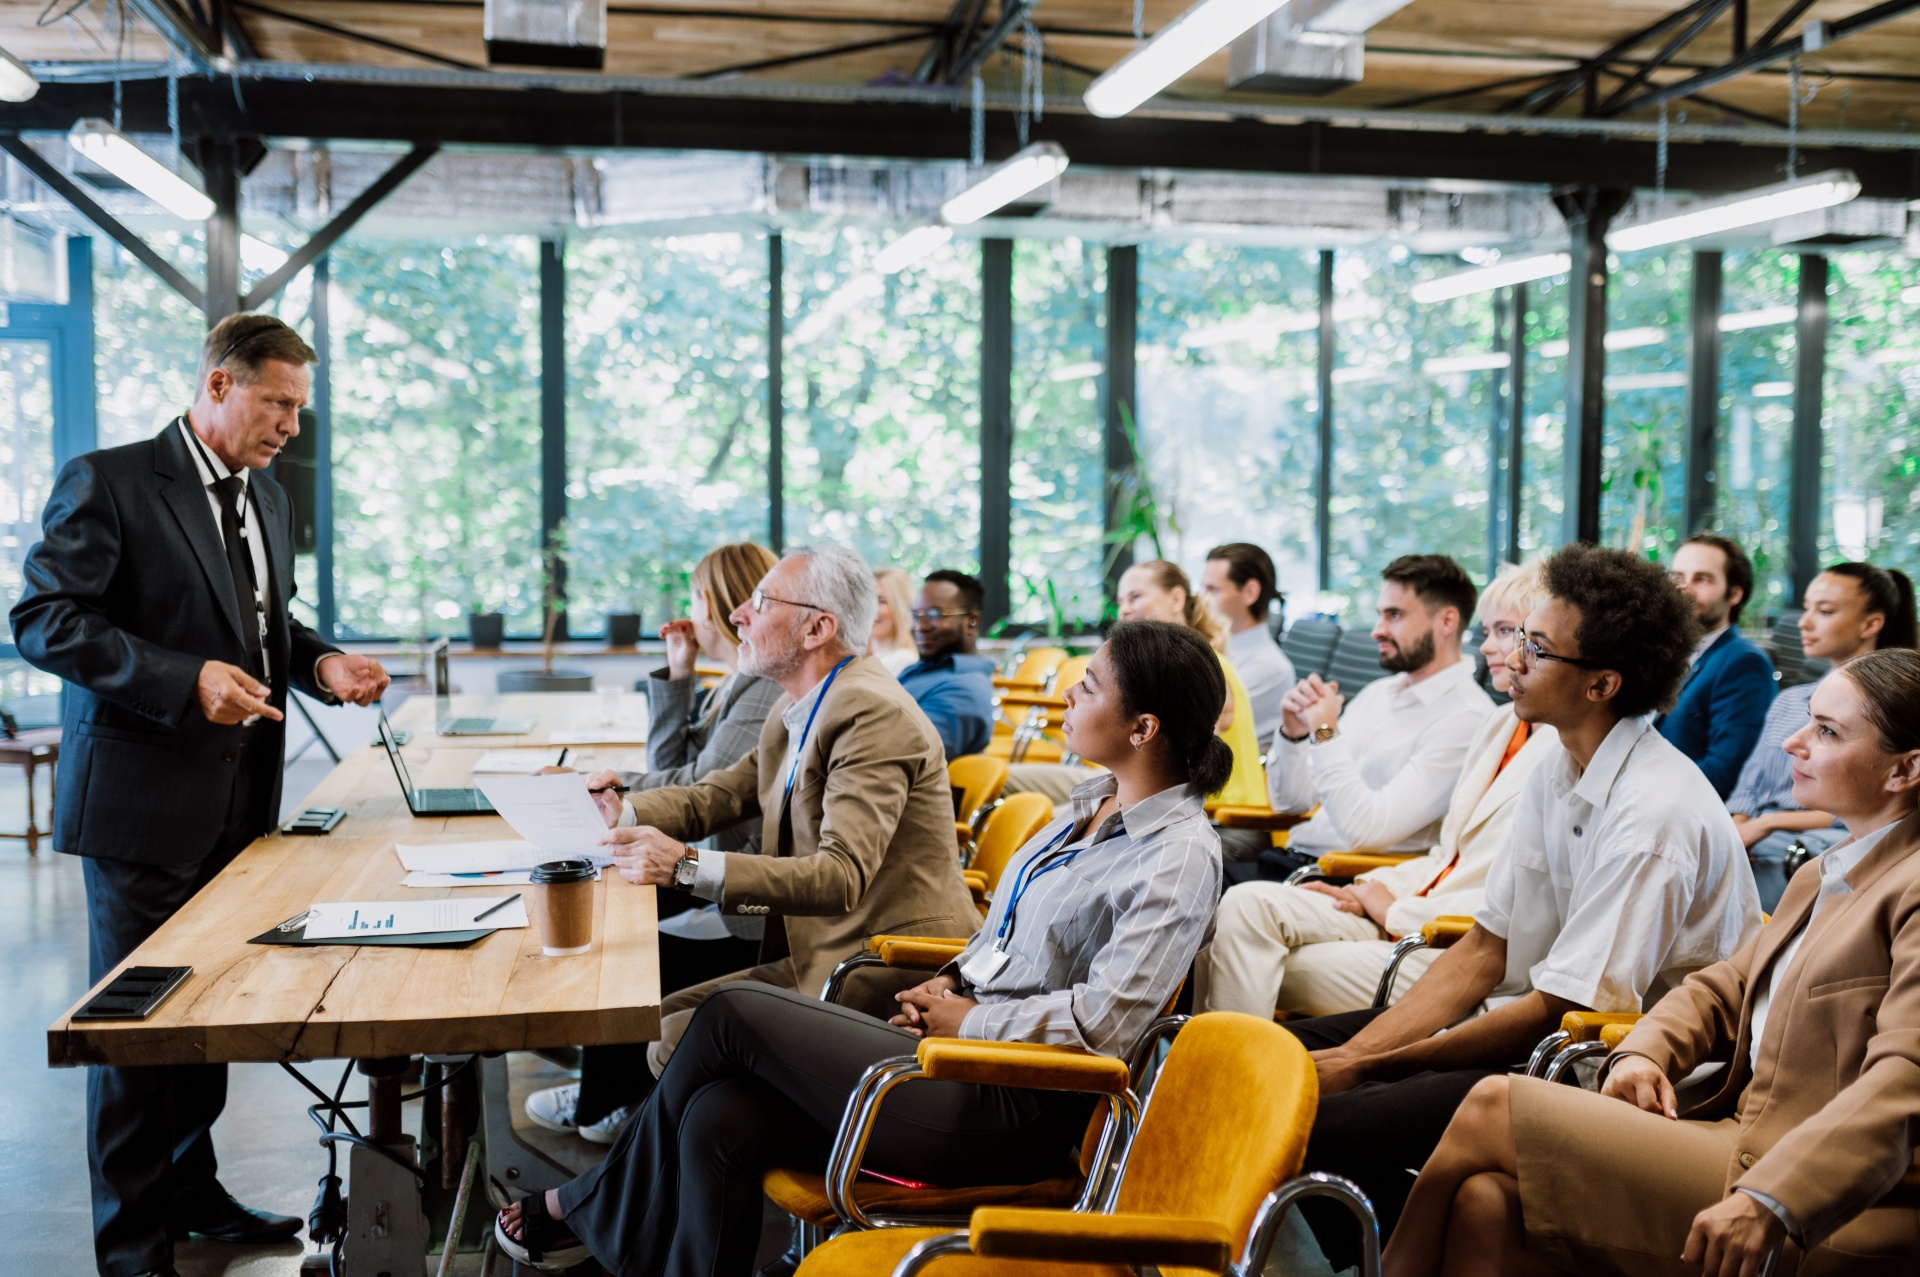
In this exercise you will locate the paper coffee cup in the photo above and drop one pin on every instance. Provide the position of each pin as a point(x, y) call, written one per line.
point(563, 906)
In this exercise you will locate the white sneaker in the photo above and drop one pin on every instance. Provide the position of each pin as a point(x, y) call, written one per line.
point(554, 1107)
point(607, 1129)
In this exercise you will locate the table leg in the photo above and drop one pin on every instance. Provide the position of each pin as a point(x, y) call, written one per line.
point(512, 1163)
point(33, 824)
point(387, 1232)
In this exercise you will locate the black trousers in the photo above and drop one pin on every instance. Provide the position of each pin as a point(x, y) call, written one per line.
point(149, 1130)
point(1378, 1135)
point(760, 1080)
point(614, 1077)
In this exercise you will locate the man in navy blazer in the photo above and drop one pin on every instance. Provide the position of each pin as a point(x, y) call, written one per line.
point(160, 593)
point(1723, 704)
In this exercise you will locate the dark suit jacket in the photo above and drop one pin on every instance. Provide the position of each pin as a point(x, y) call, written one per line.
point(126, 596)
point(1722, 707)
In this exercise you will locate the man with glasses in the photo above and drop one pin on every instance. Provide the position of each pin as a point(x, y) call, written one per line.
point(849, 782)
point(1625, 876)
point(952, 684)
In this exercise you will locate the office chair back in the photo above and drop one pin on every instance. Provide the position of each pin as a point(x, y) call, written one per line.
point(1227, 1120)
point(1012, 825)
point(979, 779)
point(1790, 666)
point(1308, 643)
point(1036, 664)
point(1355, 662)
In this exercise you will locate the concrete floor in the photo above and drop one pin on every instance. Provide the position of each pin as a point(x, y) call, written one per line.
point(268, 1154)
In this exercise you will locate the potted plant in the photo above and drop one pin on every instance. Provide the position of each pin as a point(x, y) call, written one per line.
point(623, 629)
point(485, 628)
point(553, 612)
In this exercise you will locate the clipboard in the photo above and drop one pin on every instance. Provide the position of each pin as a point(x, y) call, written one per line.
point(293, 931)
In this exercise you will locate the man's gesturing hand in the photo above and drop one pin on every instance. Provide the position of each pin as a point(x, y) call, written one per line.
point(643, 854)
point(357, 680)
point(228, 694)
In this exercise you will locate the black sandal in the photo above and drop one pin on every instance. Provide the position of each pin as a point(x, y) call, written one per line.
point(544, 1243)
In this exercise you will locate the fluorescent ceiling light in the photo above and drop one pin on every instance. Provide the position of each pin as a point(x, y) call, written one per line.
point(1743, 320)
point(1077, 372)
point(843, 299)
point(16, 82)
point(1030, 169)
point(1261, 326)
point(1479, 362)
point(1646, 381)
point(1911, 296)
point(1768, 203)
point(911, 247)
point(1175, 49)
point(1363, 372)
point(1772, 389)
point(1554, 349)
point(257, 254)
point(1634, 338)
point(1499, 275)
point(115, 152)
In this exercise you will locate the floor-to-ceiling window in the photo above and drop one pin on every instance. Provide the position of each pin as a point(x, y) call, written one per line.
point(146, 337)
point(666, 415)
point(1543, 436)
point(1225, 356)
point(1416, 396)
point(1058, 475)
point(1870, 507)
point(1755, 455)
point(26, 455)
point(1643, 448)
point(436, 434)
point(882, 413)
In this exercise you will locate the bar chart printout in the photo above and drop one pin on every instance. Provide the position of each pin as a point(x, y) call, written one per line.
point(338, 920)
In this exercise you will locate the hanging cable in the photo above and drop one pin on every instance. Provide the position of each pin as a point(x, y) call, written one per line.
point(977, 153)
point(1660, 159)
point(1139, 20)
point(1793, 120)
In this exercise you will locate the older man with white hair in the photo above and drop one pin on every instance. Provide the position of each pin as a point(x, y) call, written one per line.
point(849, 782)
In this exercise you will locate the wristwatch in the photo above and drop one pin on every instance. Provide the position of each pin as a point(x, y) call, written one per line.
point(1325, 733)
point(685, 869)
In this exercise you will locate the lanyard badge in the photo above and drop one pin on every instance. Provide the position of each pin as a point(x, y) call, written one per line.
point(989, 961)
point(793, 769)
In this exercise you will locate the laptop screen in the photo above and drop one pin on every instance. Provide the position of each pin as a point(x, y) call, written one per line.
point(442, 682)
point(393, 751)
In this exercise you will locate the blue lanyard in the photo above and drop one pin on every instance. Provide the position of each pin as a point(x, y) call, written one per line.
point(1032, 873)
point(793, 769)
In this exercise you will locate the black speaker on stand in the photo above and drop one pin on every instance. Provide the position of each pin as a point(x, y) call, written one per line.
point(297, 469)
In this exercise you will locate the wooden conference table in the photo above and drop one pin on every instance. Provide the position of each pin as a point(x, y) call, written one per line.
point(280, 1003)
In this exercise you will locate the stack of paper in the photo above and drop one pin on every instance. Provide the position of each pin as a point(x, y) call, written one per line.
point(475, 864)
point(518, 762)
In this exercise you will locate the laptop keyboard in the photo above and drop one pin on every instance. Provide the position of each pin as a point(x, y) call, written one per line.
point(449, 800)
point(466, 726)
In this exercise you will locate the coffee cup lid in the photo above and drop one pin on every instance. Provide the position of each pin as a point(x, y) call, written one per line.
point(563, 871)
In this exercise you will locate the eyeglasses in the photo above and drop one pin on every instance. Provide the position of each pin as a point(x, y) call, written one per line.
point(931, 615)
point(1531, 651)
point(760, 599)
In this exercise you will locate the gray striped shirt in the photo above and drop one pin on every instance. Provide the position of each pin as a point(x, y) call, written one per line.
point(1099, 945)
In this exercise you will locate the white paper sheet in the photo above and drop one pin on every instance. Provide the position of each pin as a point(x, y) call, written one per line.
point(336, 920)
point(490, 878)
point(517, 762)
point(629, 735)
point(469, 857)
point(554, 813)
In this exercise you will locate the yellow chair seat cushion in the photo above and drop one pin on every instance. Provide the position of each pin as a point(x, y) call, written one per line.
point(877, 1253)
point(803, 1195)
point(1024, 1233)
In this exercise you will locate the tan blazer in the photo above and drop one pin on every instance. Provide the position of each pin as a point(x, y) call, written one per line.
point(1478, 827)
point(867, 848)
point(1827, 1116)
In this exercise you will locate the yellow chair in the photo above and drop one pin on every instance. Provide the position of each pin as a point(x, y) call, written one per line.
point(1442, 933)
point(1036, 738)
point(978, 779)
point(1033, 672)
point(1209, 1173)
point(1013, 823)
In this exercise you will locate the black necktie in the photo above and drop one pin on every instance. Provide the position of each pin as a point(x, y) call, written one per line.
point(233, 491)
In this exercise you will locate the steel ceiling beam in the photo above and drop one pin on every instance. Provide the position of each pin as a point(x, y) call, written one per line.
point(198, 44)
point(359, 37)
point(1684, 37)
point(1765, 55)
point(327, 236)
point(1549, 96)
point(1012, 14)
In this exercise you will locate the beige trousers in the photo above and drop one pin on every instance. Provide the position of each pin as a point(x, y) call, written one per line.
point(1287, 947)
point(1055, 780)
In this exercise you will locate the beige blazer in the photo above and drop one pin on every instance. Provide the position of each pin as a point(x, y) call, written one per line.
point(867, 847)
point(1827, 1114)
point(1478, 827)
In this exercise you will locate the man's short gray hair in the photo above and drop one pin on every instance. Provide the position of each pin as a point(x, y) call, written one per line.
point(838, 580)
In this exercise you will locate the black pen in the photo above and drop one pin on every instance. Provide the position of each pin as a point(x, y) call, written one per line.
point(497, 908)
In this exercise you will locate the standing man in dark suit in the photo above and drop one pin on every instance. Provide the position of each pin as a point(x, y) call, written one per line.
point(1723, 704)
point(160, 593)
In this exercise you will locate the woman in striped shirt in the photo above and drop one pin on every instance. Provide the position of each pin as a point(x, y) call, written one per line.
point(1849, 609)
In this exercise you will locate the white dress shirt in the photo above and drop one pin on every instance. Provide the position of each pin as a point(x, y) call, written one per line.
point(1836, 862)
point(1707, 640)
point(212, 470)
point(1383, 783)
point(1265, 672)
point(1622, 879)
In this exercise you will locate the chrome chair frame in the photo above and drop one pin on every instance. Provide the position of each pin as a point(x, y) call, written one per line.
point(1260, 1237)
point(1404, 948)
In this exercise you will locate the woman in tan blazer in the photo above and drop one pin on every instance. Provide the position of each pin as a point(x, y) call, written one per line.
point(1809, 1136)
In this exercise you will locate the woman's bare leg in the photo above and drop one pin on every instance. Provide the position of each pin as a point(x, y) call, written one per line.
point(1484, 1233)
point(1479, 1140)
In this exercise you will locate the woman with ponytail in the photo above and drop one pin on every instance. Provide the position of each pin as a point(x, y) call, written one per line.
point(1850, 608)
point(1085, 958)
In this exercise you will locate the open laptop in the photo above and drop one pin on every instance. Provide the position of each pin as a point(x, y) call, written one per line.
point(431, 802)
point(446, 723)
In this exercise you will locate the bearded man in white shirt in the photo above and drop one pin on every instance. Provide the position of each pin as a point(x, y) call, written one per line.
point(1625, 876)
point(1382, 772)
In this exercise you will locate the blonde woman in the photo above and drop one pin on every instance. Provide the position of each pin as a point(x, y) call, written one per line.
point(694, 731)
point(1159, 591)
point(892, 643)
